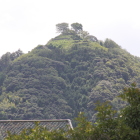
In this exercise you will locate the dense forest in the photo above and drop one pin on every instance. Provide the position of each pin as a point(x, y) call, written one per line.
point(109, 124)
point(66, 76)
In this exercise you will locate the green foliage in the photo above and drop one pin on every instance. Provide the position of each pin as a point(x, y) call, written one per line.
point(92, 38)
point(62, 27)
point(132, 112)
point(109, 126)
point(2, 78)
point(77, 27)
point(110, 43)
point(68, 75)
point(65, 76)
point(84, 34)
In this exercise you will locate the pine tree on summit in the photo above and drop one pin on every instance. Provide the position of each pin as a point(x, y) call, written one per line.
point(77, 27)
point(62, 27)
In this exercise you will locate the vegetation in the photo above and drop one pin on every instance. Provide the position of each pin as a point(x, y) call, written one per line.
point(62, 27)
point(77, 27)
point(109, 125)
point(132, 111)
point(64, 77)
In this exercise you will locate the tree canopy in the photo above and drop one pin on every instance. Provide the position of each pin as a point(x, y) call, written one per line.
point(77, 27)
point(62, 27)
point(131, 113)
point(109, 125)
point(65, 76)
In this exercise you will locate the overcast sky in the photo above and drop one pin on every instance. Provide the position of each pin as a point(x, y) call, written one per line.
point(26, 23)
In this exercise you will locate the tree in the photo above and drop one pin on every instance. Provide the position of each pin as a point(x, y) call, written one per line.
point(62, 27)
point(111, 126)
point(92, 38)
point(107, 127)
point(84, 34)
point(131, 114)
point(5, 61)
point(16, 54)
point(77, 27)
point(83, 130)
point(110, 44)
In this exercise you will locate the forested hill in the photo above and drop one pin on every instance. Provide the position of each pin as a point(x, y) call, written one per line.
point(67, 75)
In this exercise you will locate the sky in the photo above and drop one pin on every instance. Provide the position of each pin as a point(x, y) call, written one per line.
point(24, 24)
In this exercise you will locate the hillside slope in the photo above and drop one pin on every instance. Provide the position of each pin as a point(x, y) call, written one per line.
point(64, 77)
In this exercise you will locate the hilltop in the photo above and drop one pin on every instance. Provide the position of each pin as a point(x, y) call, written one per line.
point(66, 76)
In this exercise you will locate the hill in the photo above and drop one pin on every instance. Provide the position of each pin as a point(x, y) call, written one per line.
point(65, 76)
